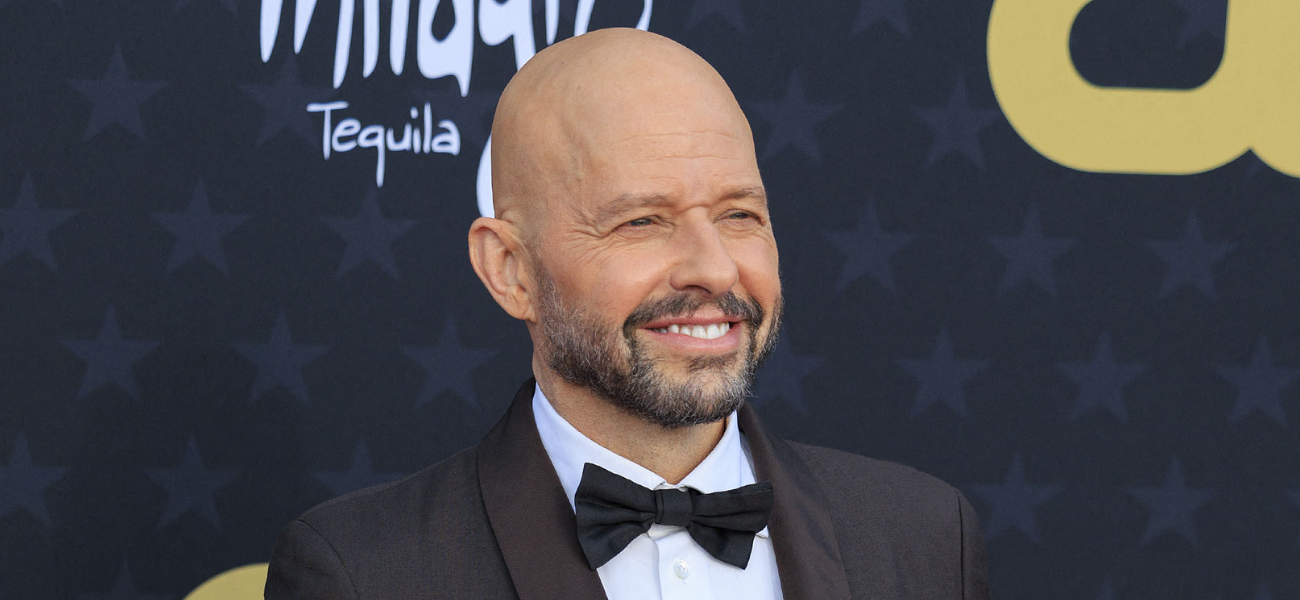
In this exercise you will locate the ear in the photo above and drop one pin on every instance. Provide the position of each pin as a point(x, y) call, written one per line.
point(502, 264)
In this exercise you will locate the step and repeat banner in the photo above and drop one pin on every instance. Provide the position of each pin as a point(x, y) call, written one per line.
point(1045, 250)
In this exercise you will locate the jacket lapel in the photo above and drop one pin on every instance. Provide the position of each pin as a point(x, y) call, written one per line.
point(807, 553)
point(527, 509)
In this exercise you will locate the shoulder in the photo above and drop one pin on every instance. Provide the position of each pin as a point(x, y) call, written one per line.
point(365, 543)
point(398, 506)
point(860, 490)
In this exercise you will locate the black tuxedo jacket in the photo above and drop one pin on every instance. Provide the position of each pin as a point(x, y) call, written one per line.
point(492, 522)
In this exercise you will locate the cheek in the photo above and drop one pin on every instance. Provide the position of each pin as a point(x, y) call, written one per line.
point(622, 281)
point(759, 269)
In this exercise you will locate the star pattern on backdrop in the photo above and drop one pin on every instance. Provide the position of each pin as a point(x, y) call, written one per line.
point(109, 358)
point(1172, 506)
point(782, 375)
point(867, 250)
point(360, 474)
point(1107, 591)
point(23, 484)
point(728, 10)
point(1012, 503)
point(793, 120)
point(280, 361)
point(1190, 259)
point(448, 366)
point(472, 114)
point(229, 5)
point(1259, 384)
point(116, 98)
point(284, 105)
point(1202, 17)
point(891, 12)
point(369, 236)
point(190, 487)
point(1030, 256)
point(123, 589)
point(940, 377)
point(957, 126)
point(26, 227)
point(1101, 381)
point(198, 231)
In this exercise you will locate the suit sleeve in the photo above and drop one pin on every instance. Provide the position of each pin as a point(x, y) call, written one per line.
point(305, 565)
point(974, 571)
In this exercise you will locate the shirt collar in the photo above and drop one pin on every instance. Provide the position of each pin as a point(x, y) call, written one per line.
point(726, 467)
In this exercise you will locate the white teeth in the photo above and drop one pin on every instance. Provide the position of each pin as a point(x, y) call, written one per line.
point(703, 332)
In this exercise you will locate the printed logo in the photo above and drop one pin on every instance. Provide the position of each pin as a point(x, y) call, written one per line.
point(497, 22)
point(1248, 105)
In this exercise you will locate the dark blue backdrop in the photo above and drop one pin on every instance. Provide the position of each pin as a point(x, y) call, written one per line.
point(207, 327)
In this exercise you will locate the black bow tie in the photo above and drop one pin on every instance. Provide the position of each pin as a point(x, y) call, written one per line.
point(612, 511)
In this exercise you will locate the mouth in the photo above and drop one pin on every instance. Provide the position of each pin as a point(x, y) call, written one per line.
point(701, 331)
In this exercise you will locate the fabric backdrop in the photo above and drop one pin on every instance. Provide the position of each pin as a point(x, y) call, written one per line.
point(1012, 258)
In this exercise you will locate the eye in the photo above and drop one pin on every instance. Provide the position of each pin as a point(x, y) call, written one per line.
point(642, 222)
point(738, 215)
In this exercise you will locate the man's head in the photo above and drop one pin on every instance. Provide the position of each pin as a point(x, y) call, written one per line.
point(632, 232)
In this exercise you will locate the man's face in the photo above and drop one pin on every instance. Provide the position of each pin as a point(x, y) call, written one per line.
point(658, 286)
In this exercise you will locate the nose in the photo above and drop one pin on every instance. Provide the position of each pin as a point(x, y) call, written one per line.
point(704, 262)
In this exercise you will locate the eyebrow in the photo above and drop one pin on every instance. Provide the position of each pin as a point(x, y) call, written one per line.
point(627, 202)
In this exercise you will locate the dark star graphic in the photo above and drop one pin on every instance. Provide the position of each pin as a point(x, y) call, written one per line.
point(448, 366)
point(867, 250)
point(793, 120)
point(1264, 593)
point(889, 11)
point(1014, 501)
point(1202, 17)
point(22, 485)
point(957, 126)
point(1172, 505)
point(727, 9)
point(1101, 382)
point(280, 361)
point(1030, 256)
point(782, 375)
point(941, 377)
point(369, 236)
point(198, 232)
point(229, 5)
point(123, 589)
point(472, 114)
point(109, 358)
point(359, 475)
point(1259, 385)
point(1190, 258)
point(1107, 589)
point(190, 487)
point(285, 105)
point(116, 97)
point(27, 228)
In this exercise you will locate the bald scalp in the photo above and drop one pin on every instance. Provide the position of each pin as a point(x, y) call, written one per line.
point(588, 93)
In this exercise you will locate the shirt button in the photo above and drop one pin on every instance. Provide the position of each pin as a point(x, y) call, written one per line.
point(682, 569)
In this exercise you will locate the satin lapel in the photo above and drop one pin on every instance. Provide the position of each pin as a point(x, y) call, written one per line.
point(528, 511)
point(807, 554)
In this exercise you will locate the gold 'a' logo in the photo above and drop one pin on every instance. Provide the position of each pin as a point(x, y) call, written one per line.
point(1251, 103)
point(243, 583)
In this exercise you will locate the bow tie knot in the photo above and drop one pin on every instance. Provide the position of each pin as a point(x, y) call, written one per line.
point(673, 507)
point(612, 511)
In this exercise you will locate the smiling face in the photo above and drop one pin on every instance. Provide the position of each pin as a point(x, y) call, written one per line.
point(652, 259)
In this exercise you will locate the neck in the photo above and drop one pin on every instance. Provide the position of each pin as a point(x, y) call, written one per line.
point(671, 453)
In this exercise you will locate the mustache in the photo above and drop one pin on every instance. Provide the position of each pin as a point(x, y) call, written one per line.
point(683, 304)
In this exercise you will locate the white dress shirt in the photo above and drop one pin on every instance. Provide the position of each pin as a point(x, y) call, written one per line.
point(665, 563)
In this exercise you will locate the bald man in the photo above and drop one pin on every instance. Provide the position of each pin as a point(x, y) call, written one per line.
point(632, 237)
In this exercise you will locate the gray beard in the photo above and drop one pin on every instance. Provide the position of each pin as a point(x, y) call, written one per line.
point(587, 353)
